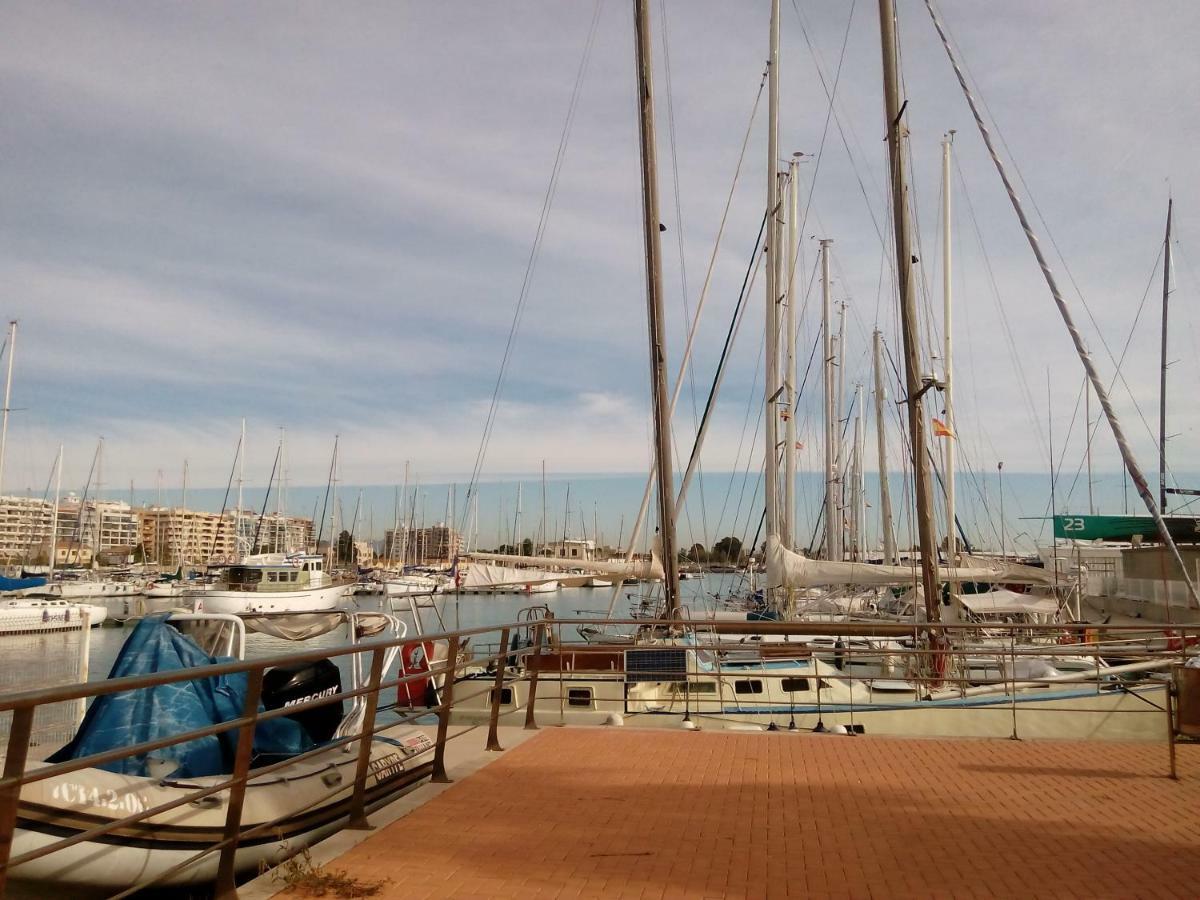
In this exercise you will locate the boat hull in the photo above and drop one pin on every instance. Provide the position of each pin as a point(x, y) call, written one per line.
point(247, 602)
point(18, 618)
point(306, 803)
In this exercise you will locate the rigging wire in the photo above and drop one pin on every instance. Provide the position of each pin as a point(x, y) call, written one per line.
point(531, 262)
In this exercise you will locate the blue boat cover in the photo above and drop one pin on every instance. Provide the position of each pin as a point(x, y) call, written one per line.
point(131, 717)
point(19, 584)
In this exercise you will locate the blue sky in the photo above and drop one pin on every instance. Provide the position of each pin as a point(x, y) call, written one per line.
point(318, 217)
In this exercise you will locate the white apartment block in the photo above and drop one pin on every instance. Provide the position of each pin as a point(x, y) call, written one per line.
point(25, 529)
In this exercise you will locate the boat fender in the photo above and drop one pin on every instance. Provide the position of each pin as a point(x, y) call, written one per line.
point(614, 718)
point(838, 729)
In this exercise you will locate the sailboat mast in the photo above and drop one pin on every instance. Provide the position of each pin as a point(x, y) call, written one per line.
point(237, 538)
point(858, 517)
point(54, 515)
point(897, 156)
point(789, 372)
point(832, 519)
point(771, 378)
point(885, 493)
point(655, 311)
point(948, 359)
point(12, 343)
point(1162, 376)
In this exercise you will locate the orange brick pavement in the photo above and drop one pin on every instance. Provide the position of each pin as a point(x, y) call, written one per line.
point(625, 813)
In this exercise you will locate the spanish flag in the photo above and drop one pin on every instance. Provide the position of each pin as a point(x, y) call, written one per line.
point(941, 429)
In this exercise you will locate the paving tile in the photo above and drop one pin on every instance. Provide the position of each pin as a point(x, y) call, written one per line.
point(579, 812)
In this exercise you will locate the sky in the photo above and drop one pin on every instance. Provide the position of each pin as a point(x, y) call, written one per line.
point(319, 217)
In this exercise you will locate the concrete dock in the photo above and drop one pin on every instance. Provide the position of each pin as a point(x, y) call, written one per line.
point(612, 812)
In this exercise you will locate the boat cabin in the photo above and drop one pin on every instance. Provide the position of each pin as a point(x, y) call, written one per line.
point(294, 573)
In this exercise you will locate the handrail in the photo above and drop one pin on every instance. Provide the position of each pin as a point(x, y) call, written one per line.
point(511, 669)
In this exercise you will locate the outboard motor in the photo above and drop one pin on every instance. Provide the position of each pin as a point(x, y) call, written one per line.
point(285, 686)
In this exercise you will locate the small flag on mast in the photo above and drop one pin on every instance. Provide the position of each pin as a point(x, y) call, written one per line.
point(941, 429)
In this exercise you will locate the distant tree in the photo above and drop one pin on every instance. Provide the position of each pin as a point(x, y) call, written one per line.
point(727, 550)
point(697, 554)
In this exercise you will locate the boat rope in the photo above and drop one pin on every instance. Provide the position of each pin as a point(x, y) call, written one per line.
point(1120, 363)
point(531, 263)
point(267, 499)
point(225, 502)
point(735, 323)
point(1110, 413)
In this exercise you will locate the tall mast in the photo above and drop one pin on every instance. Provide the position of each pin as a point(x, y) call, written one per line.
point(832, 518)
point(897, 156)
point(885, 493)
point(771, 379)
point(96, 502)
point(655, 312)
point(789, 372)
point(237, 539)
point(856, 493)
point(948, 359)
point(1162, 377)
point(12, 342)
point(54, 514)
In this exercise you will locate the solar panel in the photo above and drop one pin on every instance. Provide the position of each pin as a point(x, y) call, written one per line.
point(657, 664)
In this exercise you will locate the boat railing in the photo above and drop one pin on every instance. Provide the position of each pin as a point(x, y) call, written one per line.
point(482, 666)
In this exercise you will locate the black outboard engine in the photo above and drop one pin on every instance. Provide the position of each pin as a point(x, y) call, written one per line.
point(285, 686)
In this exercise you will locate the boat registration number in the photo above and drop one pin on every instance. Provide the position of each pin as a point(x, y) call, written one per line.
point(83, 795)
point(386, 767)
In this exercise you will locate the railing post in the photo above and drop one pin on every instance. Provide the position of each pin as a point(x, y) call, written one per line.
point(358, 816)
point(10, 794)
point(226, 888)
point(530, 719)
point(493, 739)
point(1171, 727)
point(439, 754)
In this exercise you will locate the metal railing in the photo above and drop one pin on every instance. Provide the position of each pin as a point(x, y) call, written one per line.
point(930, 666)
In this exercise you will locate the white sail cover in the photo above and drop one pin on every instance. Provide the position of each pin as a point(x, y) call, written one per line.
point(643, 569)
point(482, 576)
point(1008, 603)
point(794, 570)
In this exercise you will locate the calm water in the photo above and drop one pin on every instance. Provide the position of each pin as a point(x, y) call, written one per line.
point(30, 661)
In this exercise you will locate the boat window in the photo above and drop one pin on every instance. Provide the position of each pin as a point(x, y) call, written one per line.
point(295, 576)
point(579, 696)
point(748, 686)
point(241, 575)
point(795, 685)
point(700, 687)
point(272, 576)
point(506, 697)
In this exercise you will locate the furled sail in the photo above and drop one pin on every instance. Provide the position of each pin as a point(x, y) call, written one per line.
point(794, 570)
point(643, 569)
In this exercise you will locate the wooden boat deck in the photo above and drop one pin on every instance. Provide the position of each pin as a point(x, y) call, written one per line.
point(611, 812)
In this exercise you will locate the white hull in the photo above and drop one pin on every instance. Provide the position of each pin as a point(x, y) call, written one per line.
point(177, 589)
point(83, 590)
point(30, 616)
point(402, 587)
point(248, 602)
point(1065, 712)
point(71, 803)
